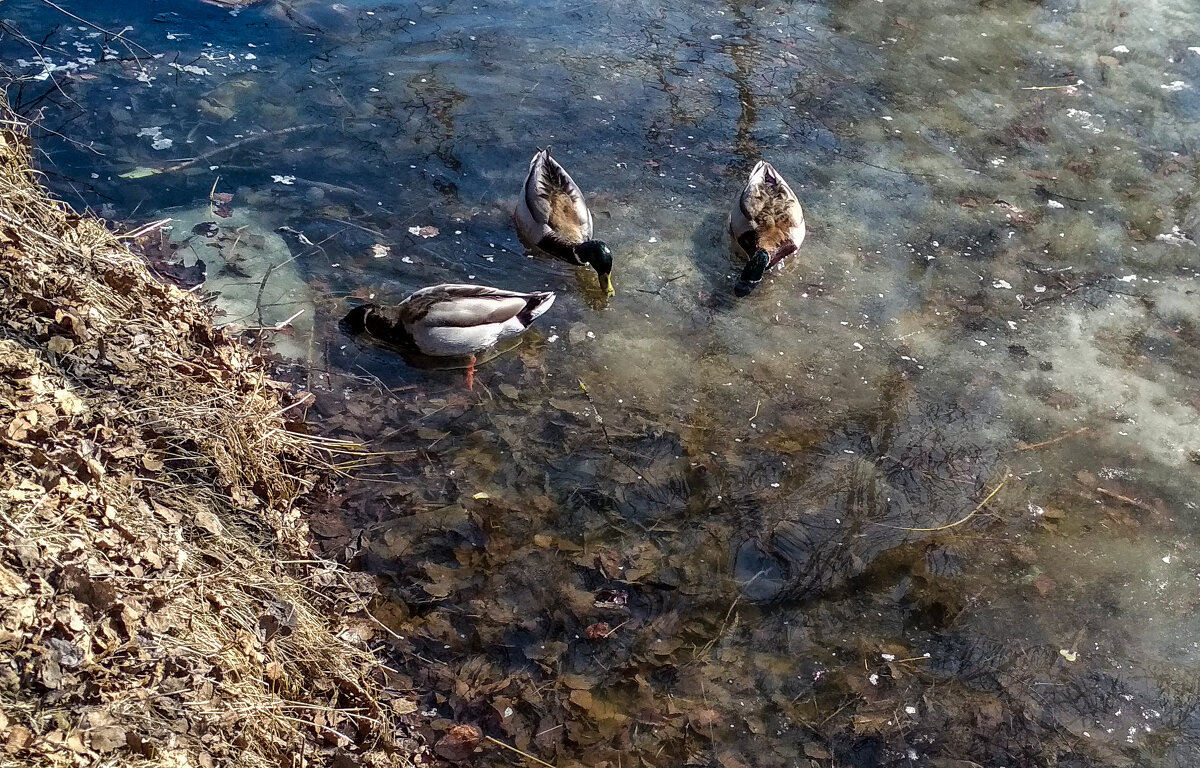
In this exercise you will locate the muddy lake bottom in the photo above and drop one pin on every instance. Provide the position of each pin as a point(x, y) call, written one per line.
point(927, 497)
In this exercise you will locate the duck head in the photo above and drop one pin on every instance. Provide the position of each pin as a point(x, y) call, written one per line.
point(356, 319)
point(753, 273)
point(599, 257)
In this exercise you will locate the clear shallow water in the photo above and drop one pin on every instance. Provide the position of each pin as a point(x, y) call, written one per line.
point(999, 256)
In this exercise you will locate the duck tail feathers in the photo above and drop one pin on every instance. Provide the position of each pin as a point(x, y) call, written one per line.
point(536, 305)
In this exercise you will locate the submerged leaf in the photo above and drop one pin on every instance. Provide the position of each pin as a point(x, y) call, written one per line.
point(140, 173)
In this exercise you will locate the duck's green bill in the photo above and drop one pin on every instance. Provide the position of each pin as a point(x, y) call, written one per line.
point(606, 284)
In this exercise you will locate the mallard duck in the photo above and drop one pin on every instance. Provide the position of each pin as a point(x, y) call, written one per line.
point(767, 224)
point(553, 217)
point(452, 320)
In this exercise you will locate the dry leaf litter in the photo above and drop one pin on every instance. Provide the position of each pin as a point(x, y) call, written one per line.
point(158, 601)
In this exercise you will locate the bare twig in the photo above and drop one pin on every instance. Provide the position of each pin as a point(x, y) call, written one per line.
point(956, 523)
point(525, 755)
point(114, 35)
point(143, 172)
point(1051, 441)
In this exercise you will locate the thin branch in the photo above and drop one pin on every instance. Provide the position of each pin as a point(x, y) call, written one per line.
point(956, 523)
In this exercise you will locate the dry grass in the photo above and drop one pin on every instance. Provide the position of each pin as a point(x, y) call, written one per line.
point(158, 600)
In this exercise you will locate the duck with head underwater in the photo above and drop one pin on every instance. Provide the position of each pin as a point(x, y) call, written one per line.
point(767, 223)
point(551, 216)
point(451, 320)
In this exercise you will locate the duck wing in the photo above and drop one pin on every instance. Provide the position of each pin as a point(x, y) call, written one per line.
point(555, 200)
point(464, 306)
point(768, 214)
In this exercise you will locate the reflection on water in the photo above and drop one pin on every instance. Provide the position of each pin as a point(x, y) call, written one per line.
point(758, 537)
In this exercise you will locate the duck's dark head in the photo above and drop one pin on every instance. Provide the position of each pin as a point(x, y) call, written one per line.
point(753, 272)
point(600, 258)
point(356, 319)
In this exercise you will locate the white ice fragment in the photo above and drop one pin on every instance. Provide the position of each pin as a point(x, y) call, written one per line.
point(1120, 49)
point(996, 162)
point(249, 57)
point(1174, 85)
point(1167, 559)
point(653, 240)
point(715, 37)
point(1012, 326)
point(408, 260)
point(161, 143)
point(1195, 49)
point(858, 347)
point(910, 710)
point(598, 97)
point(1128, 278)
point(289, 180)
point(379, 250)
point(888, 656)
point(1003, 285)
point(1175, 237)
point(1087, 120)
point(1039, 289)
point(191, 69)
point(591, 335)
point(1054, 204)
point(947, 58)
point(981, 342)
point(874, 679)
point(553, 338)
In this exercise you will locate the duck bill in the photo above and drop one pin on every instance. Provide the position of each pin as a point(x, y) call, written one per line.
point(606, 284)
point(744, 287)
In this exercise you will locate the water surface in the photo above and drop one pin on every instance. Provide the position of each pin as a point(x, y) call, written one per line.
point(767, 534)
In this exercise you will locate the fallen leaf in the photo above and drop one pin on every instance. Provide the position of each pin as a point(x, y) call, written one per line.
point(107, 738)
point(60, 345)
point(18, 738)
point(12, 585)
point(140, 173)
point(459, 743)
point(598, 631)
point(816, 751)
point(1044, 585)
point(209, 522)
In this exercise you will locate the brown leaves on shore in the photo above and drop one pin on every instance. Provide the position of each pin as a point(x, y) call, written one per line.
point(155, 577)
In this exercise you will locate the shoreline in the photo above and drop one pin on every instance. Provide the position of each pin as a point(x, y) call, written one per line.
point(159, 599)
